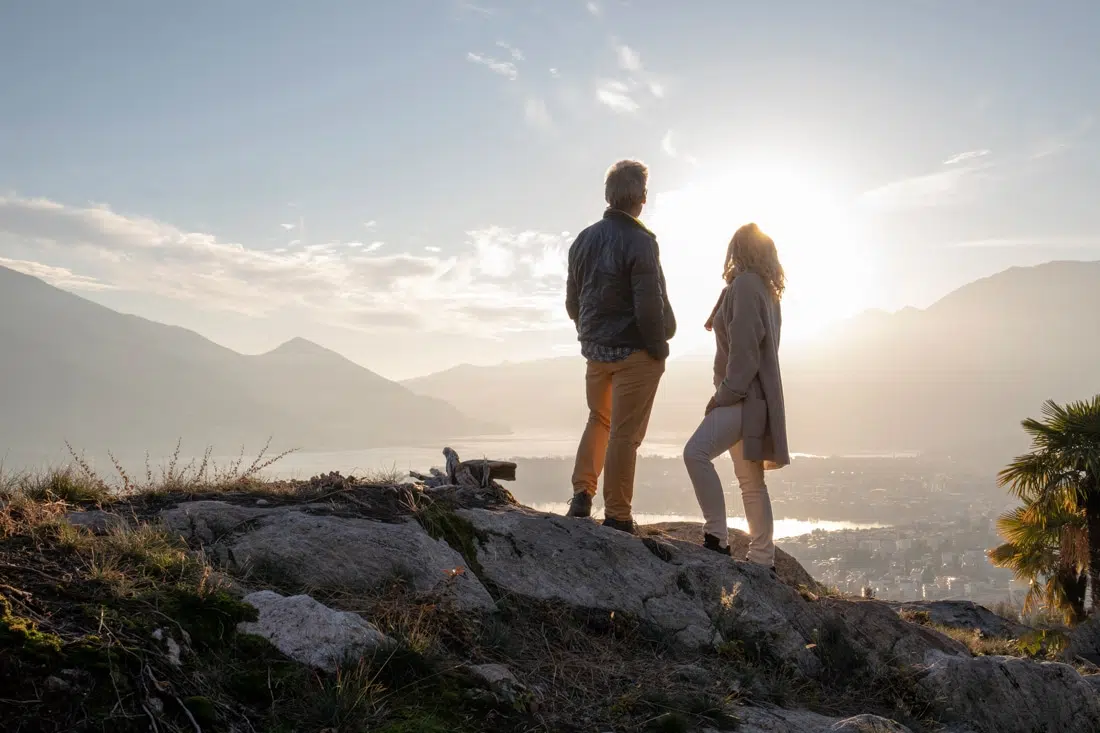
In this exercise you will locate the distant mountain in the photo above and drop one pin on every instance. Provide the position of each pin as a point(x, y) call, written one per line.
point(73, 370)
point(955, 378)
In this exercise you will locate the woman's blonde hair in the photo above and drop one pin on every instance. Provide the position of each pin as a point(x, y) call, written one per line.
point(751, 250)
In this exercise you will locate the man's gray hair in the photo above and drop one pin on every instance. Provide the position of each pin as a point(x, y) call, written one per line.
point(625, 184)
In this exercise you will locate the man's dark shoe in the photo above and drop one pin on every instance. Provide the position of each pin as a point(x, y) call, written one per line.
point(712, 543)
point(580, 505)
point(622, 525)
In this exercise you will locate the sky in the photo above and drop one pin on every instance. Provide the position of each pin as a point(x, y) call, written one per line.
point(400, 182)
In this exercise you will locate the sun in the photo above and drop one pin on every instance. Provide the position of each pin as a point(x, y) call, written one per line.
point(819, 244)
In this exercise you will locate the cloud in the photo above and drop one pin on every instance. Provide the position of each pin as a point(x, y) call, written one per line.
point(516, 54)
point(672, 151)
point(374, 246)
point(504, 68)
point(594, 9)
point(554, 72)
point(474, 8)
point(953, 184)
point(61, 277)
point(616, 95)
point(372, 224)
point(431, 248)
point(968, 155)
point(288, 227)
point(622, 94)
point(1040, 242)
point(536, 114)
point(629, 60)
point(94, 247)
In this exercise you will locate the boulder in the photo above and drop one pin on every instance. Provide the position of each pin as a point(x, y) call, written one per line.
point(310, 632)
point(309, 550)
point(695, 595)
point(95, 521)
point(1010, 695)
point(1084, 642)
point(965, 615)
point(767, 719)
point(789, 570)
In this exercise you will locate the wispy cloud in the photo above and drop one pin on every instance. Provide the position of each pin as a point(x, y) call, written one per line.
point(504, 68)
point(968, 155)
point(629, 59)
point(374, 246)
point(669, 146)
point(954, 183)
point(616, 95)
point(288, 227)
point(475, 8)
point(536, 114)
point(554, 72)
point(61, 277)
point(372, 224)
point(433, 249)
point(514, 52)
point(594, 9)
point(508, 271)
point(1060, 142)
point(624, 94)
point(1040, 242)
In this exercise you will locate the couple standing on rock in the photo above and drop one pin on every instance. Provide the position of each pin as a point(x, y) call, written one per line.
point(617, 298)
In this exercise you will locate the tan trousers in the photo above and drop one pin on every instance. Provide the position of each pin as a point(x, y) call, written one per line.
point(720, 431)
point(620, 399)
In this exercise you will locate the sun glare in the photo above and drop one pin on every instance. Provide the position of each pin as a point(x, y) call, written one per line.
point(818, 242)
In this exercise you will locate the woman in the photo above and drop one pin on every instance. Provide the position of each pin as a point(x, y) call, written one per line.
point(746, 415)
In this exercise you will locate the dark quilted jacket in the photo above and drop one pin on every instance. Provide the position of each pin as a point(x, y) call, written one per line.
point(616, 290)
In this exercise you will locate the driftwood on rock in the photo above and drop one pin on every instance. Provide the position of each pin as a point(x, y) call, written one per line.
point(479, 473)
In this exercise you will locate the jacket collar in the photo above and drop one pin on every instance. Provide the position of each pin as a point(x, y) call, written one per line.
point(620, 215)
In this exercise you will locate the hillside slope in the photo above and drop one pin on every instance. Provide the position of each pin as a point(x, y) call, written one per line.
point(956, 377)
point(73, 370)
point(429, 607)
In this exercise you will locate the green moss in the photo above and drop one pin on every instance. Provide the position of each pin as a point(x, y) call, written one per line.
point(419, 722)
point(211, 619)
point(442, 523)
point(23, 634)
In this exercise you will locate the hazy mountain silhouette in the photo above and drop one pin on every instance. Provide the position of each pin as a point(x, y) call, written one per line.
point(73, 370)
point(955, 378)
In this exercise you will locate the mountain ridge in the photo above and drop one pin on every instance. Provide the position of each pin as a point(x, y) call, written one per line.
point(73, 370)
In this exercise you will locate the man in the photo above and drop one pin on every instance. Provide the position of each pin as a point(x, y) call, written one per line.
point(617, 298)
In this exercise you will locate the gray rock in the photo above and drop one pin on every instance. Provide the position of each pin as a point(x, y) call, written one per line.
point(1084, 641)
point(692, 674)
point(503, 686)
point(95, 520)
point(1009, 695)
point(767, 719)
point(310, 632)
point(314, 550)
point(868, 724)
point(965, 615)
point(695, 595)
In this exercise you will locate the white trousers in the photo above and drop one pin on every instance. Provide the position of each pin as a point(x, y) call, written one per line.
point(719, 432)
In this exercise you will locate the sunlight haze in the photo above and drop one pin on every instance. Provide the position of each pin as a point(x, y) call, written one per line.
point(400, 182)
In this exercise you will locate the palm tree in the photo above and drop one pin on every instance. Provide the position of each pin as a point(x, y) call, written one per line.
point(1061, 474)
point(1051, 553)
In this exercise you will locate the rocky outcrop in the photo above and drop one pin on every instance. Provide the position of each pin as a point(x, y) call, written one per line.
point(699, 597)
point(1000, 694)
point(312, 550)
point(963, 615)
point(467, 544)
point(789, 570)
point(1084, 642)
point(310, 632)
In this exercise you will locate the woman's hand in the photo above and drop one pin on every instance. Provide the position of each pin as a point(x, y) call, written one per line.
point(710, 406)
